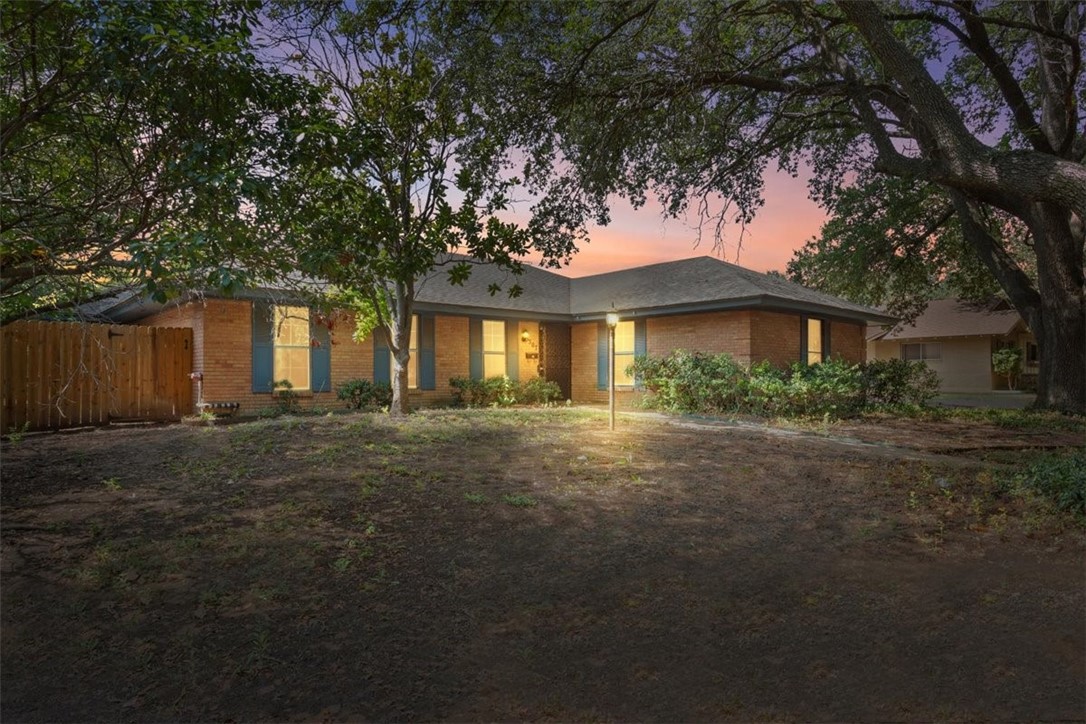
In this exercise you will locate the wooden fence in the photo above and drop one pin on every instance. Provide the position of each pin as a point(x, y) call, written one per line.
point(59, 374)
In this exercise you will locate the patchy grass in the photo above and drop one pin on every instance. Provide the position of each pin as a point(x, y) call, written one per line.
point(525, 564)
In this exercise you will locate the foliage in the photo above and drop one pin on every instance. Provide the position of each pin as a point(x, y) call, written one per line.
point(132, 137)
point(362, 394)
point(694, 382)
point(503, 392)
point(894, 383)
point(286, 399)
point(388, 172)
point(1008, 362)
point(1061, 478)
point(944, 139)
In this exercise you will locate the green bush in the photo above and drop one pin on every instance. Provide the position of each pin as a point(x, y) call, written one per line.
point(502, 392)
point(713, 384)
point(362, 394)
point(1059, 478)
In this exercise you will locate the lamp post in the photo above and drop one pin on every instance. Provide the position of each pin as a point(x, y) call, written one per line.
point(612, 322)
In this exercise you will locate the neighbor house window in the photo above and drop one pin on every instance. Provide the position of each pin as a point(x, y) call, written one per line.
point(1032, 358)
point(413, 363)
point(624, 353)
point(921, 352)
point(815, 339)
point(292, 346)
point(493, 348)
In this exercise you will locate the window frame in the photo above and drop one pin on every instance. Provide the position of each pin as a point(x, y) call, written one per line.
point(277, 328)
point(805, 339)
point(620, 377)
point(488, 353)
point(924, 349)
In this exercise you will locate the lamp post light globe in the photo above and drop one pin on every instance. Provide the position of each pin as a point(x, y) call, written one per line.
point(612, 320)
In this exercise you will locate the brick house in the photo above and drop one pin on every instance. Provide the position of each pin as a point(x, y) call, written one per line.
point(555, 329)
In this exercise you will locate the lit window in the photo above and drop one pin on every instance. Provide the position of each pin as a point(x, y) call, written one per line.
point(493, 348)
point(815, 353)
point(413, 350)
point(921, 352)
point(292, 347)
point(624, 353)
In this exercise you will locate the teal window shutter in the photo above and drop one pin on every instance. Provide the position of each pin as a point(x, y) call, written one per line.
point(512, 350)
point(263, 347)
point(601, 355)
point(382, 363)
point(825, 339)
point(475, 348)
point(641, 344)
point(320, 359)
point(427, 373)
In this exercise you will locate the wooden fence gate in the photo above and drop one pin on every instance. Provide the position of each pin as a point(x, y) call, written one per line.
point(61, 374)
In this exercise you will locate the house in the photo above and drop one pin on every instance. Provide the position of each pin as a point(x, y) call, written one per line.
point(957, 339)
point(554, 329)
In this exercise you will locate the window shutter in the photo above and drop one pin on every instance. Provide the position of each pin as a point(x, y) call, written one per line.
point(427, 373)
point(475, 348)
point(601, 355)
point(826, 339)
point(803, 341)
point(263, 347)
point(320, 359)
point(512, 350)
point(641, 344)
point(382, 365)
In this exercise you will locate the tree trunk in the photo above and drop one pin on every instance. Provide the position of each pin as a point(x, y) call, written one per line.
point(1060, 327)
point(400, 360)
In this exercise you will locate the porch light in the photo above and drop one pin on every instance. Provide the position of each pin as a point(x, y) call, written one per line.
point(525, 336)
point(612, 322)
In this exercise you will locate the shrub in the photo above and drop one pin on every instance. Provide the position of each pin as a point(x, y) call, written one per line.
point(712, 384)
point(362, 394)
point(286, 399)
point(502, 392)
point(1059, 478)
point(1008, 362)
point(893, 383)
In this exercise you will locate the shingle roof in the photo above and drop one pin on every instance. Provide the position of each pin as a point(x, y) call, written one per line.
point(544, 292)
point(698, 282)
point(953, 318)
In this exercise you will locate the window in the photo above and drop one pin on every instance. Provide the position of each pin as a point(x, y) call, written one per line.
point(815, 354)
point(493, 348)
point(624, 353)
point(292, 346)
point(921, 352)
point(413, 350)
point(1032, 358)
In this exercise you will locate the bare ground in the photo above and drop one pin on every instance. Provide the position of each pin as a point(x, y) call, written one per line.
point(530, 565)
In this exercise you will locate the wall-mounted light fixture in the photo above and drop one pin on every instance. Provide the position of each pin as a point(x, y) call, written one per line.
point(525, 336)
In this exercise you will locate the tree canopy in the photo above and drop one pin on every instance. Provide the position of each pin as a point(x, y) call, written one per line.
point(131, 143)
point(392, 169)
point(943, 136)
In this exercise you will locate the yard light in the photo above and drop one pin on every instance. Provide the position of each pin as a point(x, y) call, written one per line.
point(612, 322)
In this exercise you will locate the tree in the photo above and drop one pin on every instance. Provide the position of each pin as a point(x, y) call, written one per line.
point(390, 173)
point(130, 139)
point(970, 111)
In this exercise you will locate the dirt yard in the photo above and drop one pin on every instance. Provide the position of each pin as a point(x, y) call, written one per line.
point(527, 565)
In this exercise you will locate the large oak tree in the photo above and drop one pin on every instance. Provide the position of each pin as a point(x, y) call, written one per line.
point(969, 112)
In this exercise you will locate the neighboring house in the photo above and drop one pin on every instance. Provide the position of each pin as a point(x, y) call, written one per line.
point(957, 339)
point(554, 329)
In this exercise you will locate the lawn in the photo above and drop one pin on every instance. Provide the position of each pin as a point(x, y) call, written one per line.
point(503, 565)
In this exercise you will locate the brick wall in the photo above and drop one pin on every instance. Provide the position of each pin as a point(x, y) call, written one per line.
point(847, 341)
point(713, 333)
point(775, 337)
point(584, 378)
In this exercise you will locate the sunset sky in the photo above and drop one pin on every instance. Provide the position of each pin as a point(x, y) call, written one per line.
point(643, 236)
